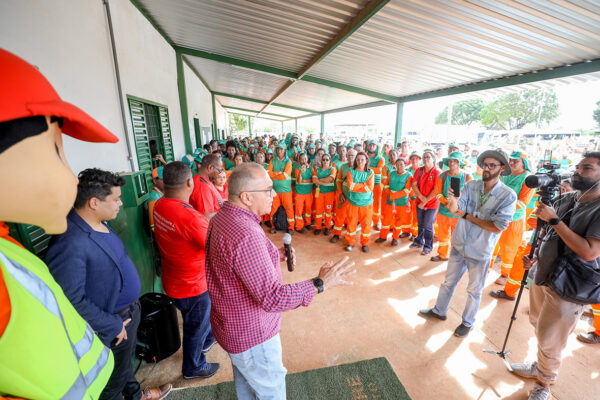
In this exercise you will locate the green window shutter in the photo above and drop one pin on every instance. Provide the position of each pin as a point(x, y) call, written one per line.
point(140, 135)
point(165, 129)
point(32, 237)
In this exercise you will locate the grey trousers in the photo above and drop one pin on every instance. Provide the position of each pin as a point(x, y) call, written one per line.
point(554, 319)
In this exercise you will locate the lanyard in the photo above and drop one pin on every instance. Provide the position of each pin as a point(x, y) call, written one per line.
point(483, 199)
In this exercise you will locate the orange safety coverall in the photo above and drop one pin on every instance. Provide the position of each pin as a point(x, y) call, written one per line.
point(516, 273)
point(340, 211)
point(396, 218)
point(445, 225)
point(302, 203)
point(285, 199)
point(355, 214)
point(509, 242)
point(324, 202)
point(596, 312)
point(377, 189)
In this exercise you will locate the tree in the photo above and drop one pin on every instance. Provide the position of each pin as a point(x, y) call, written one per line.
point(515, 110)
point(597, 113)
point(464, 112)
point(238, 122)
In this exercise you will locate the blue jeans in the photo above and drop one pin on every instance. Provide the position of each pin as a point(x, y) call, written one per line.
point(426, 219)
point(259, 373)
point(197, 334)
point(457, 265)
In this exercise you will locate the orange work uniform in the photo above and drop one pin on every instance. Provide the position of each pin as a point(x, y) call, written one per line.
point(446, 221)
point(324, 196)
point(360, 205)
point(280, 173)
point(304, 197)
point(396, 211)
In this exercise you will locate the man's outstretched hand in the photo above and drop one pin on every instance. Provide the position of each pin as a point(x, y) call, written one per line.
point(334, 275)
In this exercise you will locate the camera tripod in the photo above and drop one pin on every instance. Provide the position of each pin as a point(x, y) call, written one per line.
point(547, 193)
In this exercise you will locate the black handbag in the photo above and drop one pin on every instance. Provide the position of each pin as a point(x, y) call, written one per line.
point(573, 280)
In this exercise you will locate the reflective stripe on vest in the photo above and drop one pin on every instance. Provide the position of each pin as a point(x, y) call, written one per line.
point(42, 293)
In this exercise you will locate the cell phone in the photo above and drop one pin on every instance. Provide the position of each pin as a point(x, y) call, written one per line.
point(455, 185)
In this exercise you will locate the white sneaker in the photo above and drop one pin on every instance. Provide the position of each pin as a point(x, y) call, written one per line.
point(527, 370)
point(539, 393)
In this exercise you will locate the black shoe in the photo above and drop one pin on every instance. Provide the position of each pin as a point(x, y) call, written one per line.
point(273, 231)
point(404, 235)
point(501, 294)
point(207, 373)
point(209, 347)
point(589, 338)
point(415, 245)
point(308, 227)
point(317, 232)
point(438, 258)
point(301, 230)
point(394, 242)
point(380, 240)
point(334, 239)
point(290, 231)
point(365, 249)
point(349, 248)
point(268, 224)
point(326, 231)
point(462, 330)
point(429, 313)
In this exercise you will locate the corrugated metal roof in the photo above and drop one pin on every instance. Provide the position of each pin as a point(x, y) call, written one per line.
point(280, 33)
point(407, 47)
point(226, 78)
point(417, 46)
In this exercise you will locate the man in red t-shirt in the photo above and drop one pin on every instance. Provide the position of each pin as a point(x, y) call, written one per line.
point(427, 203)
point(205, 197)
point(180, 233)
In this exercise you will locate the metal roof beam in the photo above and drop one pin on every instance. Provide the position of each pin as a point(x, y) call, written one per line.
point(585, 67)
point(235, 96)
point(355, 23)
point(256, 111)
point(246, 115)
point(358, 107)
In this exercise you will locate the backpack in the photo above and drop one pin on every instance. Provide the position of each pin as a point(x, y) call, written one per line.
point(280, 219)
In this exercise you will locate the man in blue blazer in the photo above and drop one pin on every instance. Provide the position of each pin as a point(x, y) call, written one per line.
point(90, 263)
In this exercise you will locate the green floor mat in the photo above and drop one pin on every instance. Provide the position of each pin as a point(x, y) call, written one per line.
point(369, 380)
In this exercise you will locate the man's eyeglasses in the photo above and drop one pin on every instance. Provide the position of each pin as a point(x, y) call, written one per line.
point(490, 166)
point(427, 157)
point(270, 190)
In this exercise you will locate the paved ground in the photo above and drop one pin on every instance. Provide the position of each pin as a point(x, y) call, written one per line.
point(377, 317)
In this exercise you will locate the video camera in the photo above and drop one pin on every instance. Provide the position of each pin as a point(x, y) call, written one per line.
point(547, 182)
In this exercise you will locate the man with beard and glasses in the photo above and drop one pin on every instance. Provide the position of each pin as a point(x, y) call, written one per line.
point(485, 209)
point(574, 228)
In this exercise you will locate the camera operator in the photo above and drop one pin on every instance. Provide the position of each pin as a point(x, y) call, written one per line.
point(553, 317)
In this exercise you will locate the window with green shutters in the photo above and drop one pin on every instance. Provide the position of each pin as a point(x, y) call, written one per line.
point(32, 237)
point(150, 122)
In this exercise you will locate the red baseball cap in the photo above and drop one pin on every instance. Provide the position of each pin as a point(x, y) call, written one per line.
point(25, 92)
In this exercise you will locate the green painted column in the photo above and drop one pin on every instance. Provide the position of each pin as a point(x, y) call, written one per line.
point(399, 112)
point(214, 110)
point(183, 103)
point(322, 123)
point(296, 125)
point(249, 126)
point(282, 127)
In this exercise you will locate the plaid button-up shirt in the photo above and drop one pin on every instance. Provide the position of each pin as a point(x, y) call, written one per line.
point(244, 281)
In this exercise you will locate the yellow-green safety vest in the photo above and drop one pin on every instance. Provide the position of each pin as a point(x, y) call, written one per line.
point(48, 351)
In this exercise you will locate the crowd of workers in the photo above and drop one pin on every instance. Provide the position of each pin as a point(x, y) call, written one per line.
point(218, 265)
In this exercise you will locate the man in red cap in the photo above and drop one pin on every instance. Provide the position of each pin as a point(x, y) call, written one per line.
point(39, 328)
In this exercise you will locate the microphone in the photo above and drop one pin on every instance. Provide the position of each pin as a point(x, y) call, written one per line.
point(287, 243)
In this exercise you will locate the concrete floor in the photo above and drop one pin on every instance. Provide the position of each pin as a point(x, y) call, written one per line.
point(377, 317)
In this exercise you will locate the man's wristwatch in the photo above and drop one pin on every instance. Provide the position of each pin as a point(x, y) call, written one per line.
point(554, 221)
point(318, 282)
point(465, 215)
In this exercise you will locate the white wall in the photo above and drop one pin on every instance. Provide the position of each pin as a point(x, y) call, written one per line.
point(69, 42)
point(199, 102)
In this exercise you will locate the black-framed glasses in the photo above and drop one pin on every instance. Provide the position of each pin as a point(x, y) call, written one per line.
point(490, 166)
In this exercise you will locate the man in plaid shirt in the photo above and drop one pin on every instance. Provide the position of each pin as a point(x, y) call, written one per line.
point(246, 288)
